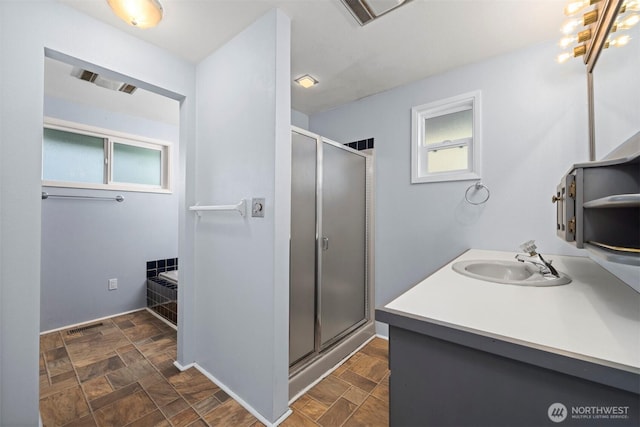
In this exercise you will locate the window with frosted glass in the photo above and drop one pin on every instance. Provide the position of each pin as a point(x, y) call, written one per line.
point(72, 157)
point(446, 140)
point(449, 127)
point(81, 156)
point(136, 165)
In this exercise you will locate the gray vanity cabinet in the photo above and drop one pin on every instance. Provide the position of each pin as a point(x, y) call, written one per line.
point(598, 208)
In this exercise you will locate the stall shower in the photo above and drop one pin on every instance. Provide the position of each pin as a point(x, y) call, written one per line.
point(330, 281)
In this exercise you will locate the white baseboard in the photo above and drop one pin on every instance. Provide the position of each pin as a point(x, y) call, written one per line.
point(91, 321)
point(162, 318)
point(238, 399)
point(183, 368)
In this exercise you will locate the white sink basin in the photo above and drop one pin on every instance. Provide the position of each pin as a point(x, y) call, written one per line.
point(507, 272)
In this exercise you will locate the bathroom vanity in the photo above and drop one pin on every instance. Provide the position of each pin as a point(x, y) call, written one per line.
point(469, 352)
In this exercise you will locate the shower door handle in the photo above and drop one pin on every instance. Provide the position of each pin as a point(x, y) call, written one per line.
point(325, 243)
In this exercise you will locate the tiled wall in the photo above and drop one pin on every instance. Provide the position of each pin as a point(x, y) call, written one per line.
point(162, 295)
point(160, 266)
point(363, 144)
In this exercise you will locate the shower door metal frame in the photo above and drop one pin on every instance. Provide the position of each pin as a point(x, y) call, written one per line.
point(319, 349)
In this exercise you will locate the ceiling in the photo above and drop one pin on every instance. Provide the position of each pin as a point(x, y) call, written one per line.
point(417, 40)
point(60, 83)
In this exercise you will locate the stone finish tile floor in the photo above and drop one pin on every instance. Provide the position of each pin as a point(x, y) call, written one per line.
point(354, 395)
point(121, 373)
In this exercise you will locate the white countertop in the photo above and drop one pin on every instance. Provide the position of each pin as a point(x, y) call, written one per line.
point(595, 318)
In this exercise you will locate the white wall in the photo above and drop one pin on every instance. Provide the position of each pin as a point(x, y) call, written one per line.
point(299, 119)
point(22, 46)
point(534, 126)
point(85, 243)
point(241, 275)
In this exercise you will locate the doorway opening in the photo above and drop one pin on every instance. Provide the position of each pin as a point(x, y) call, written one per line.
point(110, 195)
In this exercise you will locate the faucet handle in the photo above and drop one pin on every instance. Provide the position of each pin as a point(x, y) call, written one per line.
point(529, 247)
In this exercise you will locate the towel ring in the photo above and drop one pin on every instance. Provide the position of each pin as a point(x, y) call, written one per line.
point(477, 186)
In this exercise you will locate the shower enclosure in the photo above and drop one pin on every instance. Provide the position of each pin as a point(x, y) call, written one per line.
point(330, 295)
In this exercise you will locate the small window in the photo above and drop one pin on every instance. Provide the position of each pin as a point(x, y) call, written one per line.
point(137, 165)
point(84, 157)
point(445, 141)
point(72, 157)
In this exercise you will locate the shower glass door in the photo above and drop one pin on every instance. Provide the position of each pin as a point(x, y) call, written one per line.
point(302, 270)
point(342, 246)
point(328, 281)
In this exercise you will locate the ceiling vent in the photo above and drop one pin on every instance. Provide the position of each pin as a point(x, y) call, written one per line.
point(98, 80)
point(365, 11)
point(127, 88)
point(87, 76)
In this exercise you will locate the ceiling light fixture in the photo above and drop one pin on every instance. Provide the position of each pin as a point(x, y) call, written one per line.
point(578, 5)
point(306, 81)
point(604, 18)
point(139, 13)
point(618, 41)
point(627, 22)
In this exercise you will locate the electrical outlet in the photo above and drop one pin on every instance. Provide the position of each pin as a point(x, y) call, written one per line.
point(113, 284)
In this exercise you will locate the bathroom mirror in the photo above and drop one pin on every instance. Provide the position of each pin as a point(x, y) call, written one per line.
point(614, 104)
point(616, 94)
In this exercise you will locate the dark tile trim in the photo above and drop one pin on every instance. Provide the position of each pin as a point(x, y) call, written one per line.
point(160, 266)
point(363, 144)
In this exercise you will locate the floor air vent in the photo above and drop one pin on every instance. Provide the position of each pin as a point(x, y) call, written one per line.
point(83, 328)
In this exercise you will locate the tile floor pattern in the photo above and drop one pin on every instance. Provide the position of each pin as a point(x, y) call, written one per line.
point(122, 374)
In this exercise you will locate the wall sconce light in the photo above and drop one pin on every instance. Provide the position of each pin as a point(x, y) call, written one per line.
point(598, 22)
point(578, 5)
point(306, 81)
point(139, 13)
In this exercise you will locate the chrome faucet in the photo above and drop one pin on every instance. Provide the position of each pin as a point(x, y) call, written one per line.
point(545, 268)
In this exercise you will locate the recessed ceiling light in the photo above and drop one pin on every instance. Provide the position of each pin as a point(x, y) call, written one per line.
point(306, 81)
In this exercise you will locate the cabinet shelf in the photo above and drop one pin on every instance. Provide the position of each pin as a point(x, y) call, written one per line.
point(629, 256)
point(598, 205)
point(614, 201)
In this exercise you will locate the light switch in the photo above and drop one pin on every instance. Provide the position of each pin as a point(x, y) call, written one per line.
point(257, 208)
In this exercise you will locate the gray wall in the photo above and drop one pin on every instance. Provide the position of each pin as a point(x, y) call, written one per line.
point(242, 264)
point(86, 243)
point(22, 43)
point(299, 119)
point(534, 121)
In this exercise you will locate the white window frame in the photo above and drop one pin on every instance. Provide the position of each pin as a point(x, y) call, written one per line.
point(110, 138)
point(419, 151)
